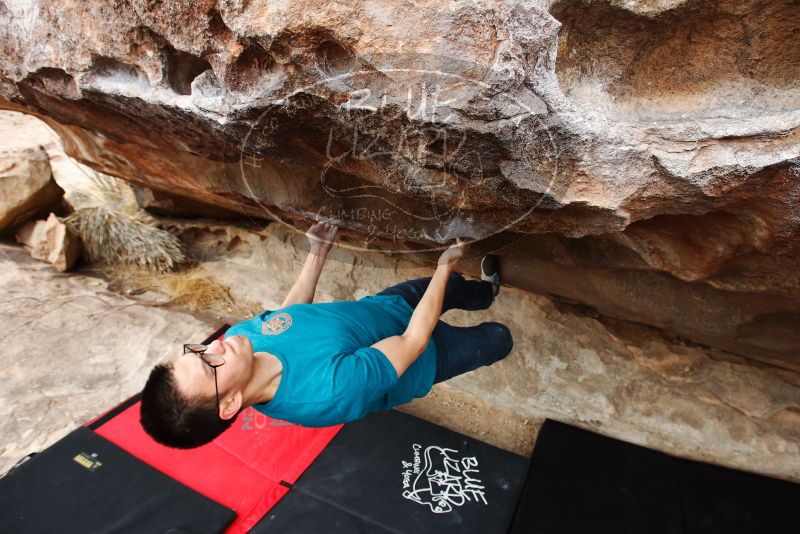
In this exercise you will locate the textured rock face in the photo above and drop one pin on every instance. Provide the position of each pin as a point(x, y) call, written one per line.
point(51, 241)
point(27, 188)
point(641, 158)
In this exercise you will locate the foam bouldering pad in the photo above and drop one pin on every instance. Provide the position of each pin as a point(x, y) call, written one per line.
point(584, 482)
point(716, 499)
point(299, 513)
point(394, 472)
point(580, 481)
point(84, 483)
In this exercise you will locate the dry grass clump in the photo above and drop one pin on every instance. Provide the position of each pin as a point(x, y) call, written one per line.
point(139, 258)
point(189, 289)
point(118, 238)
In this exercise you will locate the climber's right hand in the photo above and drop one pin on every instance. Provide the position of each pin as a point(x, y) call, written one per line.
point(454, 252)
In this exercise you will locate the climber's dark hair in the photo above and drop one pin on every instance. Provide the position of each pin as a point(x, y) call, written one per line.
point(175, 420)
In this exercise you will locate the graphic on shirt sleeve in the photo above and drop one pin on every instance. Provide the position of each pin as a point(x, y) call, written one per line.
point(439, 480)
point(277, 324)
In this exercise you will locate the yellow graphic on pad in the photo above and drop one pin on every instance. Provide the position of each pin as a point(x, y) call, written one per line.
point(89, 461)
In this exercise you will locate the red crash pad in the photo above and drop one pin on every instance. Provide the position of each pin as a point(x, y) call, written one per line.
point(242, 469)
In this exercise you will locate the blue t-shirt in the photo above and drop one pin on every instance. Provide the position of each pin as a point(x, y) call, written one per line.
point(330, 374)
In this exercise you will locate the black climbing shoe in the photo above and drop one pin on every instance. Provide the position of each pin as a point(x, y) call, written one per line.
point(490, 271)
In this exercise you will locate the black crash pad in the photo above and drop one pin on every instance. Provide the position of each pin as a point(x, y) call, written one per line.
point(84, 483)
point(392, 472)
point(583, 482)
point(301, 514)
point(717, 499)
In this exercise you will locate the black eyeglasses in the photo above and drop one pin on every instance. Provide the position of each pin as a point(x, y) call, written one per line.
point(212, 360)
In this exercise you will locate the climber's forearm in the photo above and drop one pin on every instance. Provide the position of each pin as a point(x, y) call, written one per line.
point(429, 308)
point(404, 349)
point(306, 284)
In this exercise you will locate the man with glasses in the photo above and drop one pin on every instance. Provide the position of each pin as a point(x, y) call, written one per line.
point(321, 364)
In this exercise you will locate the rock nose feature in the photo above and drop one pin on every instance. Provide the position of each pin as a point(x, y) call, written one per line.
point(639, 158)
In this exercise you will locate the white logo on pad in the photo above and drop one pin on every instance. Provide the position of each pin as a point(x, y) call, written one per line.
point(435, 477)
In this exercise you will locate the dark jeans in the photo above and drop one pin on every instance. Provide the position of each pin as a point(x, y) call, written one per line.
point(460, 349)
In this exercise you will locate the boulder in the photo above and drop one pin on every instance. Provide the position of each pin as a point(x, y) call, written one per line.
point(27, 188)
point(641, 158)
point(51, 241)
point(83, 186)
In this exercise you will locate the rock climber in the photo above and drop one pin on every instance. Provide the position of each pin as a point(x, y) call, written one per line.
point(321, 364)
